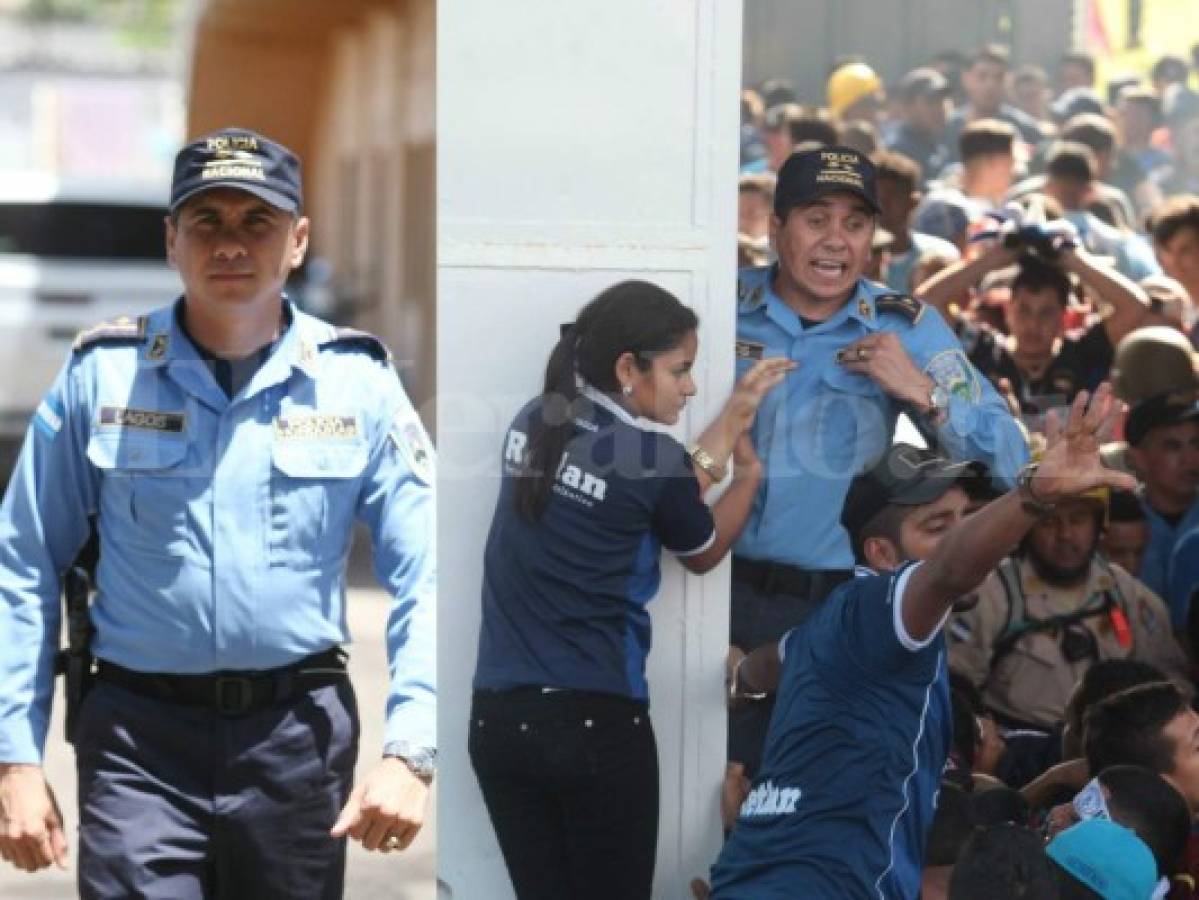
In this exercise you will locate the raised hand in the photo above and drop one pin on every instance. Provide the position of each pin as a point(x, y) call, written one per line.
point(753, 386)
point(1071, 464)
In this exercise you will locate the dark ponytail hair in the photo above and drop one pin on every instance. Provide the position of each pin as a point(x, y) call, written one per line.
point(630, 317)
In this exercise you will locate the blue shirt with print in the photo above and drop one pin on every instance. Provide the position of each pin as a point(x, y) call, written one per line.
point(857, 743)
point(564, 597)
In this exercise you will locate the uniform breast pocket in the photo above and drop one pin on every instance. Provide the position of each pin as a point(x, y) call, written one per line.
point(847, 418)
point(314, 495)
point(146, 488)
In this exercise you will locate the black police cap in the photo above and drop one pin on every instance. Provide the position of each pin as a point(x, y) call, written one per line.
point(808, 175)
point(241, 159)
point(905, 476)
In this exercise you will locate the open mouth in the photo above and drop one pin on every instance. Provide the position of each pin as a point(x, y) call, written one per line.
point(829, 269)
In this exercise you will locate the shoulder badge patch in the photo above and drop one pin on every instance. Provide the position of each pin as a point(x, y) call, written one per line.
point(409, 439)
point(123, 330)
point(49, 415)
point(952, 371)
point(902, 304)
point(353, 339)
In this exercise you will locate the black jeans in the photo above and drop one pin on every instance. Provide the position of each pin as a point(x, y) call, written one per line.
point(570, 780)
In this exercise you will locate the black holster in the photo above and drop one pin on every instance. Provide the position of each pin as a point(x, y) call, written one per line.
point(75, 662)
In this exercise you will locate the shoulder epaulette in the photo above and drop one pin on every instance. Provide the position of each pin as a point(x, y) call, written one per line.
point(122, 330)
point(353, 339)
point(902, 304)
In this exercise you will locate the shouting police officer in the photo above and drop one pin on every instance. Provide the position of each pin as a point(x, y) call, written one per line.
point(865, 354)
point(223, 447)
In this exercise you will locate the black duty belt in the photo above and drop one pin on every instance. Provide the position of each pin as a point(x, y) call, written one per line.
point(232, 693)
point(779, 578)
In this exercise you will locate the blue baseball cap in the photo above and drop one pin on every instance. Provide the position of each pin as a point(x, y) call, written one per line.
point(1108, 858)
point(241, 159)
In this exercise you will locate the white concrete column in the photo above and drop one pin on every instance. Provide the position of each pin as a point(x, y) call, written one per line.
point(578, 144)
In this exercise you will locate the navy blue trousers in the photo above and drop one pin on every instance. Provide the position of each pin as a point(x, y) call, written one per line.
point(181, 803)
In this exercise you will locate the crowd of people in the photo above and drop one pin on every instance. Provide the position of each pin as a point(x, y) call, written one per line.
point(1051, 227)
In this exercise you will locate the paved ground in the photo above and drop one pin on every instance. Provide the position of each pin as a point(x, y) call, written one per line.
point(407, 876)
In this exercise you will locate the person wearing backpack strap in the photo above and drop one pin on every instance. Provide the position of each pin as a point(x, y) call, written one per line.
point(1050, 611)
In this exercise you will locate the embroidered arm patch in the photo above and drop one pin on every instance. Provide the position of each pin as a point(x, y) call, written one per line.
point(952, 371)
point(410, 441)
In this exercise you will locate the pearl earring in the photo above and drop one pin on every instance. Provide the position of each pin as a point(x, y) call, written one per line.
point(627, 390)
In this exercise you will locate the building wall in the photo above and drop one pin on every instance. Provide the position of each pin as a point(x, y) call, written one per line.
point(578, 145)
point(350, 87)
point(800, 39)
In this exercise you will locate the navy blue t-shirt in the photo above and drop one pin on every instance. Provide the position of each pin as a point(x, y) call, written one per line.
point(564, 597)
point(853, 760)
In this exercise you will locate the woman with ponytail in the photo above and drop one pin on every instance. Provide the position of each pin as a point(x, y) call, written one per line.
point(592, 489)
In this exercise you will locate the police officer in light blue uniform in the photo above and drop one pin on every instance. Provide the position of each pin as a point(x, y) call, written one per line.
point(224, 447)
point(865, 354)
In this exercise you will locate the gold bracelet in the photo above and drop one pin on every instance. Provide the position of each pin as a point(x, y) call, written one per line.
point(707, 462)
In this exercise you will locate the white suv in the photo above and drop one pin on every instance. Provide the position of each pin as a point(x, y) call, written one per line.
point(72, 254)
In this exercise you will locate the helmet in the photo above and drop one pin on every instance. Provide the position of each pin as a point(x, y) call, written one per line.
point(1151, 361)
point(849, 84)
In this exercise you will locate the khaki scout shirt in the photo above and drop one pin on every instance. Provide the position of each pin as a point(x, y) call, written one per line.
point(1033, 682)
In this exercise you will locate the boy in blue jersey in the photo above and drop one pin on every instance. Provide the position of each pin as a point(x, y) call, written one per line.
point(861, 727)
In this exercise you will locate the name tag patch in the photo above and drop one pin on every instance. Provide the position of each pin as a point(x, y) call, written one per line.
point(316, 427)
point(144, 419)
point(750, 350)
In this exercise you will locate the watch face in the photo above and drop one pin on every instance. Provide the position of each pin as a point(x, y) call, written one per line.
point(422, 762)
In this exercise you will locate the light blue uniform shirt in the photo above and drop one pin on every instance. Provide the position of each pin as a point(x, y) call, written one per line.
point(224, 524)
point(825, 424)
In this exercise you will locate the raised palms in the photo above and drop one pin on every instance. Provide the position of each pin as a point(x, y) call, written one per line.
point(1071, 464)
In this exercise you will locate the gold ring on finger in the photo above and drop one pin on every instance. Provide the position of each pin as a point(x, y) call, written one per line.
point(392, 843)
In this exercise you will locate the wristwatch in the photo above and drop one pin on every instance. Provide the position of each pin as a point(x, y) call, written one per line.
point(938, 404)
point(1031, 503)
point(421, 760)
point(707, 462)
